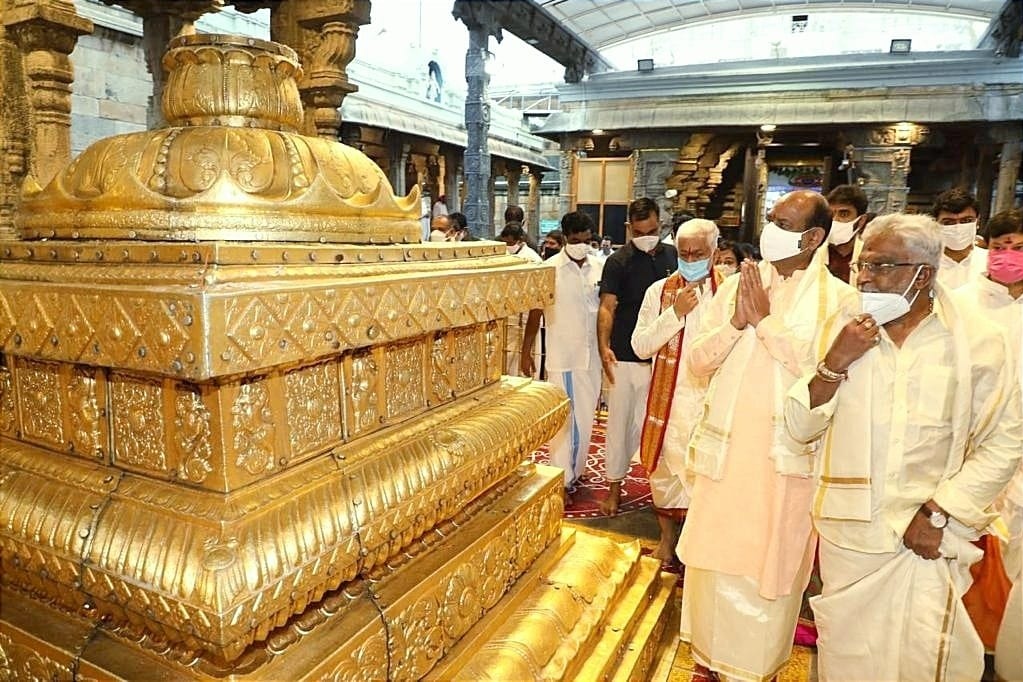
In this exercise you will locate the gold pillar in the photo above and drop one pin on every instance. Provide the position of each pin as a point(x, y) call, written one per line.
point(252, 428)
point(45, 32)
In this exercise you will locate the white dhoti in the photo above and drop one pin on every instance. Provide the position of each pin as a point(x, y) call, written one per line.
point(571, 444)
point(896, 616)
point(732, 629)
point(666, 483)
point(626, 407)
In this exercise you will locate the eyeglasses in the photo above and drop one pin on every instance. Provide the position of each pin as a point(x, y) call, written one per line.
point(877, 268)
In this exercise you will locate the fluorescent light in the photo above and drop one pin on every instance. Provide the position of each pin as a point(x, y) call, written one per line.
point(900, 46)
point(768, 127)
point(644, 64)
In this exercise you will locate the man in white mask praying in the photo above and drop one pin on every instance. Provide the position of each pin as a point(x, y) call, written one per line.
point(956, 212)
point(918, 427)
point(747, 543)
point(848, 204)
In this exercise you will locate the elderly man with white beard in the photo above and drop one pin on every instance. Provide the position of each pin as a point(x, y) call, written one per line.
point(920, 429)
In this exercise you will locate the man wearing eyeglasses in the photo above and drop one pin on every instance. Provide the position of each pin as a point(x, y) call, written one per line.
point(747, 543)
point(918, 427)
point(956, 212)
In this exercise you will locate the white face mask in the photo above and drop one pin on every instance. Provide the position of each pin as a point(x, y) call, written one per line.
point(841, 232)
point(512, 250)
point(577, 251)
point(958, 237)
point(645, 244)
point(777, 244)
point(726, 269)
point(885, 306)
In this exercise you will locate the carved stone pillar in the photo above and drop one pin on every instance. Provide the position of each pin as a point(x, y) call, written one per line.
point(323, 32)
point(45, 33)
point(533, 208)
point(513, 174)
point(883, 159)
point(1008, 173)
point(566, 198)
point(478, 207)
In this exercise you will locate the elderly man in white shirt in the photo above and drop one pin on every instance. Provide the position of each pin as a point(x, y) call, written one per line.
point(962, 260)
point(998, 295)
point(667, 323)
point(573, 358)
point(920, 430)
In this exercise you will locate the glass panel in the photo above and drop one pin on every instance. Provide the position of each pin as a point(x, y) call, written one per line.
point(614, 222)
point(618, 180)
point(592, 210)
point(589, 176)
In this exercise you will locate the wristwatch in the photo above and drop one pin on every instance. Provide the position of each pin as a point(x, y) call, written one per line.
point(936, 518)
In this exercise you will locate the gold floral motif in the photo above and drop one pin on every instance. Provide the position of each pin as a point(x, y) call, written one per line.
point(253, 422)
point(493, 342)
point(404, 382)
point(468, 359)
point(441, 387)
point(363, 392)
point(192, 435)
point(138, 423)
point(314, 415)
point(8, 414)
point(19, 663)
point(85, 412)
point(41, 397)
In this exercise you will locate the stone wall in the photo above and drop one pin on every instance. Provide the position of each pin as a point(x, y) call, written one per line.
point(110, 94)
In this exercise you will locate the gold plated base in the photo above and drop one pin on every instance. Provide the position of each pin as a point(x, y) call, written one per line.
point(501, 592)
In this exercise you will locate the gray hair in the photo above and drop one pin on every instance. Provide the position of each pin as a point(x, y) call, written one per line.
point(698, 227)
point(920, 233)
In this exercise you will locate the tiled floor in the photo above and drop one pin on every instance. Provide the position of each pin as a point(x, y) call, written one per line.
point(643, 525)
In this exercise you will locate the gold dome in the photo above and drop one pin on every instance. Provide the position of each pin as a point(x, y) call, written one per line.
point(230, 167)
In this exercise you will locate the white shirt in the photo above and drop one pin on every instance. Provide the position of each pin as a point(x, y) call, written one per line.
point(907, 394)
point(571, 320)
point(998, 306)
point(955, 274)
point(527, 254)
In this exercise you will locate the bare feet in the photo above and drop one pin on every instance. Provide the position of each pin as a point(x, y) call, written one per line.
point(609, 505)
point(701, 674)
point(669, 535)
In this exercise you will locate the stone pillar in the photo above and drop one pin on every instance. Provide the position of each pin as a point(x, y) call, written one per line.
point(883, 159)
point(533, 203)
point(323, 32)
point(45, 33)
point(1008, 173)
point(567, 176)
point(398, 152)
point(985, 180)
point(513, 174)
point(452, 173)
point(491, 195)
point(478, 206)
point(749, 225)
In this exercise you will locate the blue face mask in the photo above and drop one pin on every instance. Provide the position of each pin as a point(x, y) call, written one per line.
point(694, 271)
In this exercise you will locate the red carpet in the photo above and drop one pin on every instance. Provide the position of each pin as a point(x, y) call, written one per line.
point(593, 488)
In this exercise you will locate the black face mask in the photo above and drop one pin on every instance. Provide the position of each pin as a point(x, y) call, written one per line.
point(548, 252)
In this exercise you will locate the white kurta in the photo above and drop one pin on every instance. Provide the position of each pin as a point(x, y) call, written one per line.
point(939, 419)
point(954, 274)
point(1005, 311)
point(573, 358)
point(653, 330)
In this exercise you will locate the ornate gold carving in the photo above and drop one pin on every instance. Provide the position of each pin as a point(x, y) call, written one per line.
point(192, 435)
point(441, 385)
point(8, 414)
point(468, 359)
point(20, 663)
point(362, 379)
point(314, 407)
point(232, 141)
point(900, 134)
point(86, 413)
point(254, 428)
point(493, 345)
point(41, 397)
point(138, 423)
point(404, 381)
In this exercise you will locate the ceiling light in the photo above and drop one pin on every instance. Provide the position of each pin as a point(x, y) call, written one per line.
point(597, 131)
point(768, 127)
point(644, 64)
point(900, 46)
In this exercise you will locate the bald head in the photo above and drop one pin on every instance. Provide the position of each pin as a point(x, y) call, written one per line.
point(440, 222)
point(809, 208)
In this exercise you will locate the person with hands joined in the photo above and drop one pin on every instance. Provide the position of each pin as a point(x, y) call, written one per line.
point(918, 428)
point(747, 542)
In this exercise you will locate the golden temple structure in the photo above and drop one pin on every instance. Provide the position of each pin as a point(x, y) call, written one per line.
point(250, 426)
